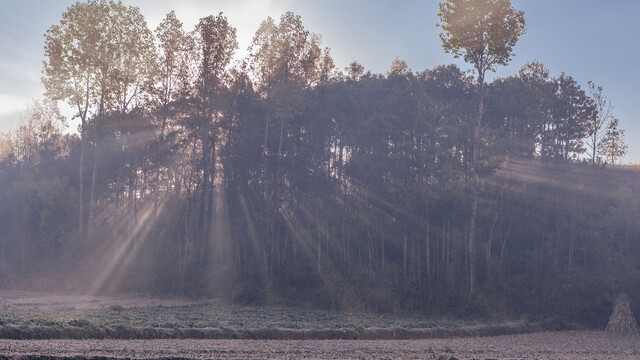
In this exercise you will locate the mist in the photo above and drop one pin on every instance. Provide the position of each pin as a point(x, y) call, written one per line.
point(284, 182)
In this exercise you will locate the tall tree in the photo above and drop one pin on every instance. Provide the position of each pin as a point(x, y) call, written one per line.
point(214, 45)
point(71, 69)
point(598, 123)
point(569, 113)
point(484, 33)
point(284, 59)
point(96, 59)
point(126, 45)
point(172, 58)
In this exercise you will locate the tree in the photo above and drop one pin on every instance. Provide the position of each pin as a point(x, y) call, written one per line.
point(612, 147)
point(125, 61)
point(174, 50)
point(214, 45)
point(284, 59)
point(71, 70)
point(484, 33)
point(96, 58)
point(597, 125)
point(399, 68)
point(172, 58)
point(6, 146)
point(38, 138)
point(518, 110)
point(567, 117)
point(355, 71)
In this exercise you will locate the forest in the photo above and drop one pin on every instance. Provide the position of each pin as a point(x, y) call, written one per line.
point(280, 179)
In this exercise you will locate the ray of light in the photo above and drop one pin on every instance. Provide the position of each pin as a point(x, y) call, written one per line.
point(126, 251)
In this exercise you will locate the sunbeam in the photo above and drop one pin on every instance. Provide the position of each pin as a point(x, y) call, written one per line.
point(126, 251)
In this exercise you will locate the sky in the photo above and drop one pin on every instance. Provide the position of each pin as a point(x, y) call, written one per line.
point(587, 40)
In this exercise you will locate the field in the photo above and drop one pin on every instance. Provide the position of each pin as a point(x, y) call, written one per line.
point(547, 345)
point(134, 327)
point(27, 308)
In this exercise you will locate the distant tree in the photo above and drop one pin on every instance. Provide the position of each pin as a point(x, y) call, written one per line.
point(284, 59)
point(533, 71)
point(569, 114)
point(597, 125)
point(612, 147)
point(39, 137)
point(398, 68)
point(517, 107)
point(537, 99)
point(355, 71)
point(6, 146)
point(484, 33)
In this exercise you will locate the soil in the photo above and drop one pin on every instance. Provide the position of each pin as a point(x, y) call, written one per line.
point(547, 345)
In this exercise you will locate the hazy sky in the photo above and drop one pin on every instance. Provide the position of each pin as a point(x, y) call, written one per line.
point(588, 40)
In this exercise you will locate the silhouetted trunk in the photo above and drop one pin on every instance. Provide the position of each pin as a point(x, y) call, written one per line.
point(427, 243)
point(281, 137)
point(81, 181)
point(204, 197)
point(161, 141)
point(492, 228)
point(475, 183)
point(382, 250)
point(319, 253)
point(94, 177)
point(404, 257)
point(504, 244)
point(83, 141)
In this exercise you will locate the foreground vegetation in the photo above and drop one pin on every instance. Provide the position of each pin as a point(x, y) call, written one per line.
point(216, 315)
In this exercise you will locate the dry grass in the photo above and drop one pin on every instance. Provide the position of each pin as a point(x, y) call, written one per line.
point(54, 310)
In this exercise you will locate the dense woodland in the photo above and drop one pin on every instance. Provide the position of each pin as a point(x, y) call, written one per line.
point(280, 179)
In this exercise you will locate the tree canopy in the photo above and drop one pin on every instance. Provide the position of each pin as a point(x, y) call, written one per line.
point(483, 32)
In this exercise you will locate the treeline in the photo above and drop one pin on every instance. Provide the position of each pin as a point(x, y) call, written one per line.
point(280, 179)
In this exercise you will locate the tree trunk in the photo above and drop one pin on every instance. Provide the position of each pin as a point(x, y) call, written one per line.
point(81, 182)
point(404, 258)
point(444, 252)
point(382, 250)
point(204, 198)
point(281, 136)
point(427, 244)
point(475, 182)
point(492, 228)
point(319, 253)
point(504, 244)
point(94, 177)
